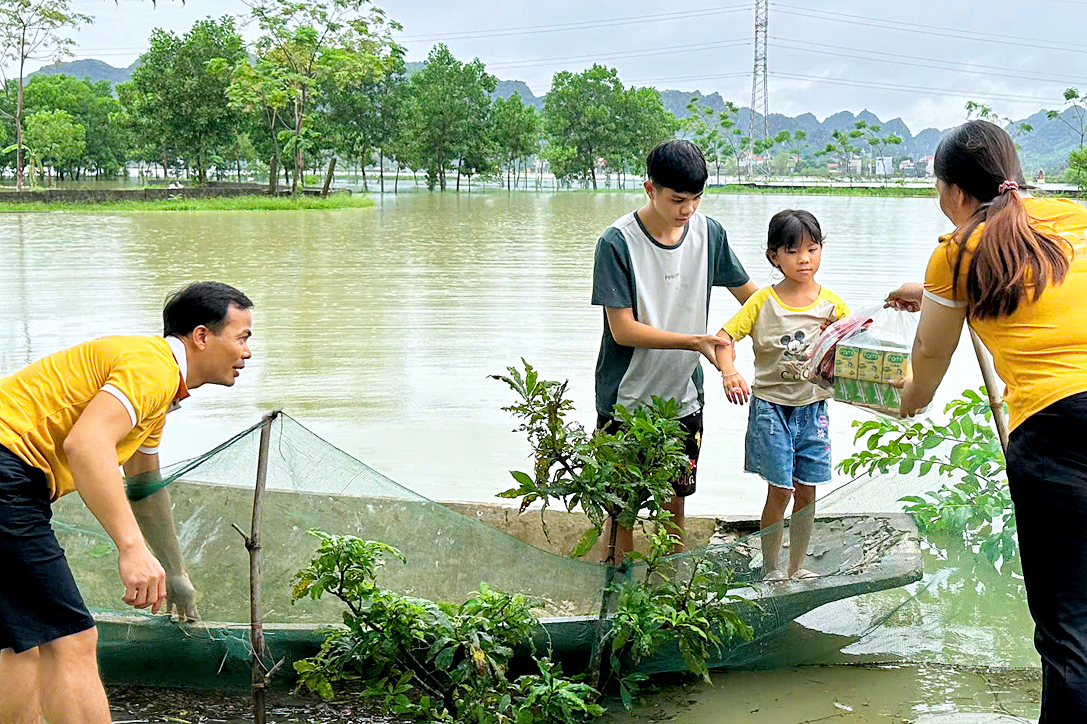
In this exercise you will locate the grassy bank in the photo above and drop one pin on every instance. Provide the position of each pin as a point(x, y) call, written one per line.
point(233, 203)
point(885, 191)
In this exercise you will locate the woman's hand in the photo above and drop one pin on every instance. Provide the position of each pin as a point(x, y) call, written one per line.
point(911, 402)
point(736, 389)
point(906, 298)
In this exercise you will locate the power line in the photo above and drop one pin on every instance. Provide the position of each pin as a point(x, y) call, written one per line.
point(677, 79)
point(913, 89)
point(693, 14)
point(932, 30)
point(896, 60)
point(668, 50)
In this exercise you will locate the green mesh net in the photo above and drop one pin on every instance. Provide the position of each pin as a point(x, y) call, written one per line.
point(882, 593)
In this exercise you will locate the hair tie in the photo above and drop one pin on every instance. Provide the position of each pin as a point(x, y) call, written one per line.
point(1008, 186)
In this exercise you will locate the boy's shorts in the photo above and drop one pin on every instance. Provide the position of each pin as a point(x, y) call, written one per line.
point(788, 444)
point(39, 601)
point(692, 445)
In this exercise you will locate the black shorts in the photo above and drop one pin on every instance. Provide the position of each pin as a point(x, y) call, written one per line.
point(692, 445)
point(39, 601)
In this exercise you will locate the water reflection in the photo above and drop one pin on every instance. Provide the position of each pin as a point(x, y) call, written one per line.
point(378, 328)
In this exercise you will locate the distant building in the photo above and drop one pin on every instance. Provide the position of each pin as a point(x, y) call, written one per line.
point(927, 165)
point(906, 166)
point(855, 166)
point(884, 165)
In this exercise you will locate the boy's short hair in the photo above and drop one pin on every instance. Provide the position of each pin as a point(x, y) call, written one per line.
point(201, 303)
point(678, 165)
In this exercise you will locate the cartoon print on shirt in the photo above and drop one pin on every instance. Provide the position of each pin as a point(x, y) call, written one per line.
point(795, 356)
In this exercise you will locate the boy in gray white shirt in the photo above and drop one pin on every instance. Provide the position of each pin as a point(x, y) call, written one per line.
point(653, 273)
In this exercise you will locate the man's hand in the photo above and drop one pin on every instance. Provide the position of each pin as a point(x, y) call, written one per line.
point(906, 298)
point(736, 389)
point(181, 597)
point(143, 577)
point(708, 344)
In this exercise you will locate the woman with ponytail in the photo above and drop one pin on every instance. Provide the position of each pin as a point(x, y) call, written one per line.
point(1015, 268)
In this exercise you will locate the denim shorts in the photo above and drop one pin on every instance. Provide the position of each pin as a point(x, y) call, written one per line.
point(692, 445)
point(788, 444)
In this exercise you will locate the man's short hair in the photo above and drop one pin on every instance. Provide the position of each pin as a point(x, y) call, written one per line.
point(677, 165)
point(200, 303)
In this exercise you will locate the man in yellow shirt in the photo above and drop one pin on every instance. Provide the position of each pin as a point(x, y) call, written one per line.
point(66, 423)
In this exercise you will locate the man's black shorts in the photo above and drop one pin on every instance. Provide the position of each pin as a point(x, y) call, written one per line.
point(39, 601)
point(692, 445)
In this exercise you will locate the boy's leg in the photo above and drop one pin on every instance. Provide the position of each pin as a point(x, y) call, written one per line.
point(800, 525)
point(771, 523)
point(20, 702)
point(687, 482)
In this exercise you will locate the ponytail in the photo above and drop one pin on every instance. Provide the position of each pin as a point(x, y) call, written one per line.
point(1012, 260)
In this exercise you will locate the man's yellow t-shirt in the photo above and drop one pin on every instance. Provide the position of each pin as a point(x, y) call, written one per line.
point(40, 404)
point(1040, 350)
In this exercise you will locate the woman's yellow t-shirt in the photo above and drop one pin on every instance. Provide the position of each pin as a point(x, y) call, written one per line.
point(1040, 350)
point(40, 404)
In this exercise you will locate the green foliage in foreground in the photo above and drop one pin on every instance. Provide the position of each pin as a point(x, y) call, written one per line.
point(218, 203)
point(973, 509)
point(433, 661)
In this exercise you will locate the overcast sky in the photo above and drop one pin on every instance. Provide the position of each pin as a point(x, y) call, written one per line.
point(921, 60)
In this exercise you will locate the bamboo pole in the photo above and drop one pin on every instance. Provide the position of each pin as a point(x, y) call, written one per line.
point(992, 386)
point(261, 675)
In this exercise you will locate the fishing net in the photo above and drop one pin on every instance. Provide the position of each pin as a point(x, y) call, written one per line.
point(883, 593)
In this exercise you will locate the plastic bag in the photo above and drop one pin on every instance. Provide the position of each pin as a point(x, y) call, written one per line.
point(860, 356)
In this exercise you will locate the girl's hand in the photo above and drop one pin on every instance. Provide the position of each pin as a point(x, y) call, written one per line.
point(736, 389)
point(906, 298)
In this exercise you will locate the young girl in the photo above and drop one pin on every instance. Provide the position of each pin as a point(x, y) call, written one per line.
point(788, 442)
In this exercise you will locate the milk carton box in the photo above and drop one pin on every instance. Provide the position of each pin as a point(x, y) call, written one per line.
point(845, 362)
point(896, 363)
point(869, 364)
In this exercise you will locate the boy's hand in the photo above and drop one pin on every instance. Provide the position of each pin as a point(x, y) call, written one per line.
point(736, 389)
point(708, 345)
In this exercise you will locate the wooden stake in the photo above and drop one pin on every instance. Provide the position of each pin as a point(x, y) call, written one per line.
point(252, 544)
point(992, 386)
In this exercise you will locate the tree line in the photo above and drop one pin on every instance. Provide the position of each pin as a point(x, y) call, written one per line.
point(326, 82)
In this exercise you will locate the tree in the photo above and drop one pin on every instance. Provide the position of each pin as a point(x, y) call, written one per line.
point(581, 114)
point(643, 123)
point(1077, 159)
point(175, 92)
point(445, 101)
point(93, 106)
point(795, 142)
point(517, 131)
point(842, 148)
point(54, 138)
point(478, 149)
point(1076, 101)
point(878, 143)
point(307, 43)
point(34, 30)
point(986, 113)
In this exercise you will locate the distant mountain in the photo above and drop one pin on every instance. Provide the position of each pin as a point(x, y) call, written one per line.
point(1047, 146)
point(96, 70)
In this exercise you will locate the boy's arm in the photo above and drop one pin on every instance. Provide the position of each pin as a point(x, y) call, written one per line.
point(629, 332)
point(742, 293)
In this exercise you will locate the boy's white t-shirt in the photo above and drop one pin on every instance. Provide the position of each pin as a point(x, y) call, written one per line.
point(782, 337)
